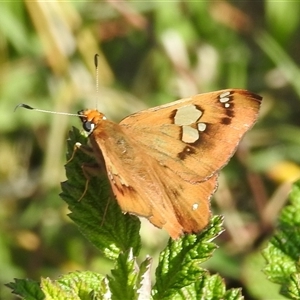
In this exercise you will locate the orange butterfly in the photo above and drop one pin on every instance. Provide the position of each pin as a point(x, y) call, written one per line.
point(163, 162)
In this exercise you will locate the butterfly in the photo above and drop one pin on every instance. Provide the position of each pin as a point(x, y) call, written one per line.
point(163, 162)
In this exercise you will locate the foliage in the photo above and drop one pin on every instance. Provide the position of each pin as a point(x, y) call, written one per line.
point(282, 252)
point(150, 53)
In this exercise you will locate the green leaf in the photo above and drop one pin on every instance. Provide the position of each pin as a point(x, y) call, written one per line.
point(179, 275)
point(233, 294)
point(97, 214)
point(282, 252)
point(27, 289)
point(179, 262)
point(293, 286)
point(76, 285)
point(144, 279)
point(129, 281)
point(53, 291)
point(84, 283)
point(256, 281)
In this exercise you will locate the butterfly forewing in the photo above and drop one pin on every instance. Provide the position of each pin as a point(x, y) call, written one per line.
point(196, 136)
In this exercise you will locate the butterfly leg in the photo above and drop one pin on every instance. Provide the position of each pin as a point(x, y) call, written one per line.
point(89, 171)
point(92, 170)
point(85, 149)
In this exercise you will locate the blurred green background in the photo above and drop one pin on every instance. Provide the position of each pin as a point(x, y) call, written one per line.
point(150, 53)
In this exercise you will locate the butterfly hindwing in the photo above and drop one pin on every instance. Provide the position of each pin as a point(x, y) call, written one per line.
point(145, 188)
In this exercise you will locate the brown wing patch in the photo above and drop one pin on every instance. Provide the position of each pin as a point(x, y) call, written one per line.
point(226, 121)
point(188, 150)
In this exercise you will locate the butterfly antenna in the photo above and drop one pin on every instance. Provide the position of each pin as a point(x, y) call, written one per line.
point(45, 111)
point(96, 57)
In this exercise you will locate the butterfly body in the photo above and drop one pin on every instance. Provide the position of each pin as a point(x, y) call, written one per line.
point(163, 162)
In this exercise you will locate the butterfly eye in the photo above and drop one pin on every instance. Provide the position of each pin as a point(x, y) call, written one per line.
point(88, 126)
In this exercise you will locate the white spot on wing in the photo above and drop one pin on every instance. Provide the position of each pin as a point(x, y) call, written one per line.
point(225, 98)
point(189, 134)
point(201, 126)
point(187, 115)
point(224, 95)
point(195, 206)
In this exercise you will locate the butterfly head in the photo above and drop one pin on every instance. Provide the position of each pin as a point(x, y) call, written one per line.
point(90, 119)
